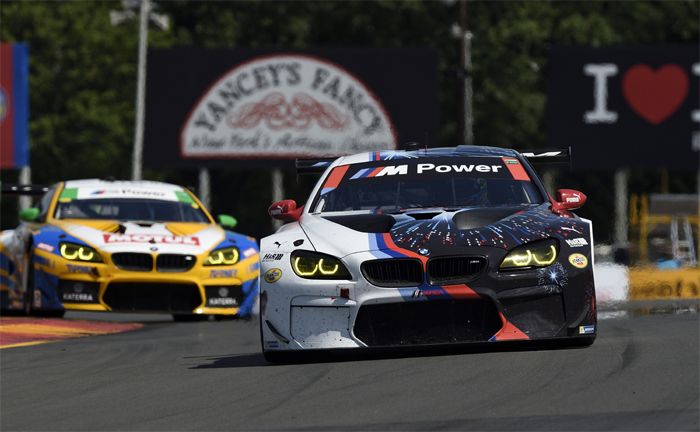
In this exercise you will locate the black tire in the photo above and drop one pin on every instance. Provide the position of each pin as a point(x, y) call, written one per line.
point(50, 313)
point(29, 287)
point(188, 317)
point(581, 342)
point(280, 356)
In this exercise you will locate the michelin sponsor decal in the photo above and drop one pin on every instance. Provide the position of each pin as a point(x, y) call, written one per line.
point(578, 260)
point(272, 275)
point(150, 238)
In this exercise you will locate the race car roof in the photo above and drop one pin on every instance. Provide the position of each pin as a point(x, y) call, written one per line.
point(459, 151)
point(96, 188)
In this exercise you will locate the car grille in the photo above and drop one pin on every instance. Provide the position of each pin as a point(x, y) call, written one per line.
point(133, 261)
point(427, 322)
point(174, 263)
point(152, 297)
point(393, 272)
point(454, 269)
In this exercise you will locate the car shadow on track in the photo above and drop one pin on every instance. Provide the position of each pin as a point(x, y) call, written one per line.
point(370, 354)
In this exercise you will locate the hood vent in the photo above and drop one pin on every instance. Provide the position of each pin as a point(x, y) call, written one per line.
point(367, 223)
point(479, 217)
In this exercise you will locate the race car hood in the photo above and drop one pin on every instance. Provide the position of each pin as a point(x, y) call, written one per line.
point(427, 231)
point(120, 236)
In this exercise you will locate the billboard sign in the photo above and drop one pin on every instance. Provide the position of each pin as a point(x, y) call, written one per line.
point(276, 105)
point(626, 106)
point(281, 106)
point(14, 105)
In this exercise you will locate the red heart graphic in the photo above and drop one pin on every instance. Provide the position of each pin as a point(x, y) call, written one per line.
point(654, 96)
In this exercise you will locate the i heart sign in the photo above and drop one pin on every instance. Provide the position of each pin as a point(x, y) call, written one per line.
point(655, 95)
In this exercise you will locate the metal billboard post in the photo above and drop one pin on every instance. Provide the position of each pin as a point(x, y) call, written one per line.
point(162, 21)
point(620, 238)
point(136, 161)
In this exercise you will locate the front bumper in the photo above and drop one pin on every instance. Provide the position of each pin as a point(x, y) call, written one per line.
point(298, 314)
point(105, 287)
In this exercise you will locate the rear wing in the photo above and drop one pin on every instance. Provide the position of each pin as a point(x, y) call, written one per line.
point(548, 156)
point(18, 189)
point(313, 166)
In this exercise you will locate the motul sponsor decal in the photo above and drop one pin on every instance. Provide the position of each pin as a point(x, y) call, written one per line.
point(151, 238)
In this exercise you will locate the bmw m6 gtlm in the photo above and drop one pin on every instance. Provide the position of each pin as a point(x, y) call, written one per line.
point(100, 245)
point(424, 247)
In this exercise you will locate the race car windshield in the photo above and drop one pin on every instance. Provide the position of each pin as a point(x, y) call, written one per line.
point(131, 209)
point(397, 185)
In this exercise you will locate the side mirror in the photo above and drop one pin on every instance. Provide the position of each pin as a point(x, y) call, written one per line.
point(227, 221)
point(569, 199)
point(286, 211)
point(30, 214)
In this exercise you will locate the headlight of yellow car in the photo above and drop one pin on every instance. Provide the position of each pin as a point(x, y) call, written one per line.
point(76, 252)
point(220, 257)
point(312, 265)
point(536, 254)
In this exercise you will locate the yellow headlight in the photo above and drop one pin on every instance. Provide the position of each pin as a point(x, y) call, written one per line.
point(75, 252)
point(535, 254)
point(311, 265)
point(220, 257)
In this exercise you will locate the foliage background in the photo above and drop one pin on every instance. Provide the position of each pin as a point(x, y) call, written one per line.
point(83, 77)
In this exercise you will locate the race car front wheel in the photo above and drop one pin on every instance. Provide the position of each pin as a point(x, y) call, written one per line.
point(189, 317)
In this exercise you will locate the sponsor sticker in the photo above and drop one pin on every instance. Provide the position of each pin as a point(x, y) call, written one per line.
point(45, 247)
point(272, 344)
point(577, 242)
point(272, 257)
point(249, 252)
point(578, 260)
point(228, 273)
point(587, 329)
point(77, 297)
point(222, 301)
point(272, 275)
point(150, 238)
point(72, 268)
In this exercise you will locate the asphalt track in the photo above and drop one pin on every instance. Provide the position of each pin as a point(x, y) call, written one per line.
point(641, 374)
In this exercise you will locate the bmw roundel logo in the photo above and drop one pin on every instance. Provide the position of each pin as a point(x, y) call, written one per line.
point(223, 292)
point(154, 249)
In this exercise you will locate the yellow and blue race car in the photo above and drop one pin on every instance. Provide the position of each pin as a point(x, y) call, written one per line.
point(100, 245)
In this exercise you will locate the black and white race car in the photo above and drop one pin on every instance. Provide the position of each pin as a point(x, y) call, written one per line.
point(422, 247)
